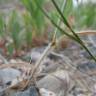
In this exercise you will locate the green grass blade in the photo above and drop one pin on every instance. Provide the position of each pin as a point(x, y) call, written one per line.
point(75, 35)
point(59, 20)
point(59, 11)
point(2, 25)
point(63, 31)
point(37, 18)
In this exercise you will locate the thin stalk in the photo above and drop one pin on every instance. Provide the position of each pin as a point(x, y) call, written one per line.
point(60, 29)
point(46, 51)
point(59, 20)
point(34, 70)
point(75, 35)
point(64, 19)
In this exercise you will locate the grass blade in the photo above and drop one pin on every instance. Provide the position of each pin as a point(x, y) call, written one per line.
point(59, 20)
point(75, 35)
point(63, 31)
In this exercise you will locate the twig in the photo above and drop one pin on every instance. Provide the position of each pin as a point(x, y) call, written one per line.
point(49, 47)
point(86, 32)
point(46, 51)
point(15, 65)
point(53, 40)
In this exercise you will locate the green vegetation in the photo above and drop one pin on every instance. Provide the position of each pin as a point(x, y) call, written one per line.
point(85, 16)
point(2, 25)
point(22, 27)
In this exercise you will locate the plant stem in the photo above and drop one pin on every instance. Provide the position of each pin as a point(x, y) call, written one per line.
point(59, 20)
point(75, 35)
point(60, 29)
point(47, 50)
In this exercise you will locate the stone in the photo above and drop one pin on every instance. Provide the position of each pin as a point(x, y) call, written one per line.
point(87, 66)
point(45, 92)
point(35, 56)
point(55, 82)
point(29, 92)
point(8, 74)
point(2, 93)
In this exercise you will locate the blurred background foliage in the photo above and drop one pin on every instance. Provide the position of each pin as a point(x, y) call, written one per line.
point(85, 16)
point(25, 26)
